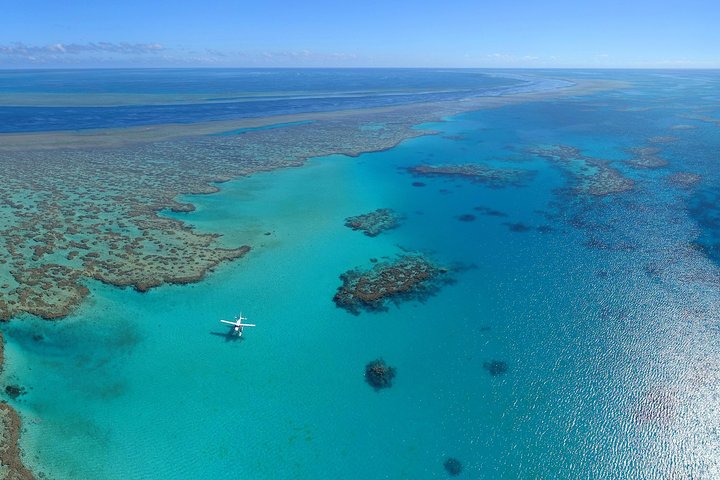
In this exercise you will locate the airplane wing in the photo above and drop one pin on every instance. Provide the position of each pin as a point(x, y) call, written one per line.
point(228, 322)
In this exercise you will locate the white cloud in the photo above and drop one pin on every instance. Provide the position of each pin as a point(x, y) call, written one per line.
point(36, 52)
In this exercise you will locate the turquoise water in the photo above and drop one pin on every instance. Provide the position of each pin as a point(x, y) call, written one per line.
point(603, 308)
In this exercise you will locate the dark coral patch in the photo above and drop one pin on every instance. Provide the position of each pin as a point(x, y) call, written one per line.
point(408, 277)
point(589, 175)
point(453, 466)
point(496, 367)
point(646, 157)
point(493, 177)
point(374, 223)
point(491, 212)
point(467, 217)
point(418, 184)
point(14, 391)
point(379, 375)
point(544, 229)
point(518, 227)
point(685, 179)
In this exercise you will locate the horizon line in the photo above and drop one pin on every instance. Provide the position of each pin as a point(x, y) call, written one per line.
point(207, 67)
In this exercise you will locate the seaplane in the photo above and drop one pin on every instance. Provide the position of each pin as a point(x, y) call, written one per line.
point(238, 324)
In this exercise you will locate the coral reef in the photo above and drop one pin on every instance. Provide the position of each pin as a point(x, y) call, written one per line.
point(544, 229)
point(9, 448)
point(617, 246)
point(75, 212)
point(685, 179)
point(87, 204)
point(95, 215)
point(491, 212)
point(518, 227)
point(466, 217)
point(646, 157)
point(590, 176)
point(11, 464)
point(663, 139)
point(701, 118)
point(374, 223)
point(453, 466)
point(379, 375)
point(496, 367)
point(492, 177)
point(410, 276)
point(14, 391)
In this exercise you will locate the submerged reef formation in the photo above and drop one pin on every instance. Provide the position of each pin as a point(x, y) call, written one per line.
point(14, 391)
point(73, 213)
point(685, 179)
point(544, 229)
point(646, 157)
point(518, 227)
point(379, 375)
point(96, 215)
point(496, 367)
point(663, 139)
point(82, 205)
point(590, 176)
point(700, 118)
point(492, 177)
point(52, 243)
point(453, 466)
point(11, 465)
point(408, 277)
point(491, 212)
point(374, 223)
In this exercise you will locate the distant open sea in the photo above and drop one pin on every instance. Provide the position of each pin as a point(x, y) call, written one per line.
point(48, 100)
point(602, 307)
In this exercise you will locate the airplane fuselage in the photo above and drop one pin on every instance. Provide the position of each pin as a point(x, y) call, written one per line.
point(238, 325)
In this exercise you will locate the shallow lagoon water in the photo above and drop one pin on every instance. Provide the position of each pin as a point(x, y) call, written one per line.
point(302, 381)
point(611, 366)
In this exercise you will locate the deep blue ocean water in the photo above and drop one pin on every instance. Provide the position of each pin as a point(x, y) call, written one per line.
point(604, 308)
point(188, 96)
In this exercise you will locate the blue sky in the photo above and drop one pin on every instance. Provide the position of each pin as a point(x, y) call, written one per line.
point(450, 33)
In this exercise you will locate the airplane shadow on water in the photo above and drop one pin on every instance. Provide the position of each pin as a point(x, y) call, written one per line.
point(236, 330)
point(229, 336)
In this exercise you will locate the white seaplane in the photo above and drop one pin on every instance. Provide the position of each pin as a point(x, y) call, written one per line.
point(238, 324)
